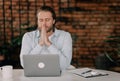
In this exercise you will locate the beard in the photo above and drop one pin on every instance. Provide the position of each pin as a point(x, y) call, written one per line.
point(50, 29)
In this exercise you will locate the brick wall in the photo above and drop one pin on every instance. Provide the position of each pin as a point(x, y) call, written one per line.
point(88, 21)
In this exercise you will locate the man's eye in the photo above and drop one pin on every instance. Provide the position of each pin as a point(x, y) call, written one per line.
point(40, 20)
point(47, 19)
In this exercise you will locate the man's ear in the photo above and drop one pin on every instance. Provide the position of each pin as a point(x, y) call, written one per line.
point(54, 21)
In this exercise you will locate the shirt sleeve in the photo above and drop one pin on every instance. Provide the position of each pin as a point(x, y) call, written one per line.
point(27, 48)
point(65, 53)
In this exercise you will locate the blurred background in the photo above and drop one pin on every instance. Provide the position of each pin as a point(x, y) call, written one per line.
point(93, 24)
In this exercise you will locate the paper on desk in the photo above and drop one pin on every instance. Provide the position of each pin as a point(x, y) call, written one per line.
point(88, 72)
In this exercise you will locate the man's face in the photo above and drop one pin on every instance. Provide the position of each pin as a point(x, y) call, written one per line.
point(45, 19)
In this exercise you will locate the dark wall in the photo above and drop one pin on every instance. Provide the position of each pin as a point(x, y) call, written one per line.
point(88, 21)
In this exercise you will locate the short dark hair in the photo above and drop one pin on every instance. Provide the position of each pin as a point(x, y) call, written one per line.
point(49, 9)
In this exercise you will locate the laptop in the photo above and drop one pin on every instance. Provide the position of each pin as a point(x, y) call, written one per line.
point(41, 65)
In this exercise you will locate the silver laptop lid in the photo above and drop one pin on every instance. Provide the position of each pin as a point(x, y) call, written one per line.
point(41, 65)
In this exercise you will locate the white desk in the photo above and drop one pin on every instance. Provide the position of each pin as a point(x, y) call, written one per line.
point(18, 75)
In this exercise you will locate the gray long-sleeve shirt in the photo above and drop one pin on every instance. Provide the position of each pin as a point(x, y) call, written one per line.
point(61, 44)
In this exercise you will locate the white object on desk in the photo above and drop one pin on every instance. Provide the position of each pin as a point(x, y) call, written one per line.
point(6, 71)
point(93, 72)
point(88, 72)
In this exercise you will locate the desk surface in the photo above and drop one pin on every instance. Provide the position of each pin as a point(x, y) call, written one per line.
point(18, 75)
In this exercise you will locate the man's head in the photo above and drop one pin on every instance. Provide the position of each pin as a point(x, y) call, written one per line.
point(46, 17)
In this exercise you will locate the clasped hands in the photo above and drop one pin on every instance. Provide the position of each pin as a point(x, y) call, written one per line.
point(44, 40)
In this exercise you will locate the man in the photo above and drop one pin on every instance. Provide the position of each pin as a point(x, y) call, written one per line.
point(47, 39)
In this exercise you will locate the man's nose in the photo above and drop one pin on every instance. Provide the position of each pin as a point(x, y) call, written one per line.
point(44, 23)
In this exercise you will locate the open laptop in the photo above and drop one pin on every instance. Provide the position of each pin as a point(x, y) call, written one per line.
point(41, 65)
